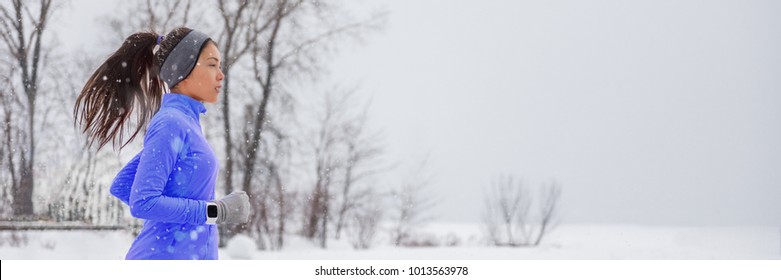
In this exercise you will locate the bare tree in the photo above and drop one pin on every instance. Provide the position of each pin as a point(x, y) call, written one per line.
point(260, 17)
point(30, 118)
point(412, 203)
point(512, 203)
point(292, 37)
point(346, 156)
point(327, 160)
point(508, 217)
point(27, 49)
point(365, 220)
point(273, 201)
point(363, 153)
point(243, 21)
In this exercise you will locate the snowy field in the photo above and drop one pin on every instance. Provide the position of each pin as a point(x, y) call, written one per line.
point(567, 242)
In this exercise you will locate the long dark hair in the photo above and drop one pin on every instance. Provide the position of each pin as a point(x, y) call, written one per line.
point(129, 77)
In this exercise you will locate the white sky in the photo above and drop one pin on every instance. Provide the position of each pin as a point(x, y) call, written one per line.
point(651, 112)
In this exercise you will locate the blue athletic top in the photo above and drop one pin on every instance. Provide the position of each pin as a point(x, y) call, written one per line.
point(168, 184)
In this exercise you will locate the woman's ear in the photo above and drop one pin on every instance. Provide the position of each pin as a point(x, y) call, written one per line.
point(179, 86)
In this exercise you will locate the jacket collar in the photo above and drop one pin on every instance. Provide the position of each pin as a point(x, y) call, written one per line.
point(186, 104)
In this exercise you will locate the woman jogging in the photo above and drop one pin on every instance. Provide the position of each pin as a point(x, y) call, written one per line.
point(170, 184)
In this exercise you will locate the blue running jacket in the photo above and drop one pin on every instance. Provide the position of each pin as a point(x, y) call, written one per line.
point(168, 184)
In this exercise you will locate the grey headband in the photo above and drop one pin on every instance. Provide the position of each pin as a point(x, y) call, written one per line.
point(182, 58)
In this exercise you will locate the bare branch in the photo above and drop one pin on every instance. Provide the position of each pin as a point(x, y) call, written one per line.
point(322, 37)
point(151, 13)
point(187, 12)
point(551, 196)
point(6, 31)
point(508, 206)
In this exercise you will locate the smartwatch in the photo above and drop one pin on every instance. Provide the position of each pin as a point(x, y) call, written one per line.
point(211, 213)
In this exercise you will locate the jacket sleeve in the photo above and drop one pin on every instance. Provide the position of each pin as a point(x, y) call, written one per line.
point(162, 144)
point(122, 183)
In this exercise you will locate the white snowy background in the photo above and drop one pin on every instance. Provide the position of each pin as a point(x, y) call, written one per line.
point(660, 120)
point(611, 242)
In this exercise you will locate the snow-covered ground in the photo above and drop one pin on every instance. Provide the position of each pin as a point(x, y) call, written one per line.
point(566, 242)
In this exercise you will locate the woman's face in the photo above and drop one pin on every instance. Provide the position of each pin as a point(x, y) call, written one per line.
point(204, 82)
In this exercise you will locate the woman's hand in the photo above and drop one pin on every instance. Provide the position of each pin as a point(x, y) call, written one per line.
point(233, 208)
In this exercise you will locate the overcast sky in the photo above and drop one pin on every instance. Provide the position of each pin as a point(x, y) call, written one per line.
point(646, 112)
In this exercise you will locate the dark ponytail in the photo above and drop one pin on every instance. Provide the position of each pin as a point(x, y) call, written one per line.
point(129, 77)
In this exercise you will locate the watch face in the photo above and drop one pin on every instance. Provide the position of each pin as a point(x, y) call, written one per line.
point(211, 211)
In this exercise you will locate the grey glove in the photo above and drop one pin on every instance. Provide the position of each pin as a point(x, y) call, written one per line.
point(233, 208)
